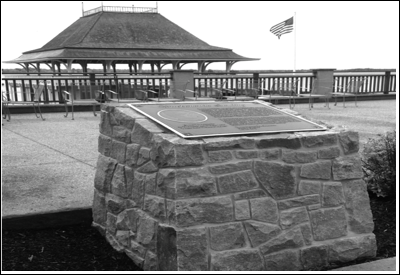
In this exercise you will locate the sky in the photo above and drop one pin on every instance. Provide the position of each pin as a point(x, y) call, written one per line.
point(340, 35)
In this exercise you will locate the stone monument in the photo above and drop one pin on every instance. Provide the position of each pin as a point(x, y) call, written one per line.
point(289, 201)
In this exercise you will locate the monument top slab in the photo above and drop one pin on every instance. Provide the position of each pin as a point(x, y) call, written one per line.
point(205, 119)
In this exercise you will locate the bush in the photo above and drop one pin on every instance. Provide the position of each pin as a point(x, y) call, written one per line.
point(379, 165)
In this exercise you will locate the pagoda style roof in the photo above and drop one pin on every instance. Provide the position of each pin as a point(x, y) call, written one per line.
point(127, 37)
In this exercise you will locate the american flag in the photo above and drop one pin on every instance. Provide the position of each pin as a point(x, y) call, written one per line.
point(282, 28)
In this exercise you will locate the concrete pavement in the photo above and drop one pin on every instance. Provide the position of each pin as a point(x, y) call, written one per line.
point(48, 166)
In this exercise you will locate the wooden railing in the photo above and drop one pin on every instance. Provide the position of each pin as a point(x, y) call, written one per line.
point(21, 87)
point(121, 9)
point(82, 87)
point(373, 82)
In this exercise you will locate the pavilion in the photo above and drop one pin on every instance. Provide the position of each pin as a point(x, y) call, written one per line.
point(126, 35)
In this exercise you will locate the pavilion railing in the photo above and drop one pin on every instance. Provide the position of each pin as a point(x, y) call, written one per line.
point(18, 87)
point(121, 9)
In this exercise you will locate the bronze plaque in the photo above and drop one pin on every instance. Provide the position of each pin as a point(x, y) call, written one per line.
point(203, 119)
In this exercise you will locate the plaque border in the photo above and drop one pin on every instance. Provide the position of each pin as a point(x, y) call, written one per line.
point(132, 105)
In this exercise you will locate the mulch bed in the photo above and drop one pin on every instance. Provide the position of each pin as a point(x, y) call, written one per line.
point(82, 248)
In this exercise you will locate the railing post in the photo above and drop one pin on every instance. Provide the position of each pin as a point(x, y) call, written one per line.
point(387, 82)
point(324, 81)
point(256, 79)
point(92, 80)
point(182, 76)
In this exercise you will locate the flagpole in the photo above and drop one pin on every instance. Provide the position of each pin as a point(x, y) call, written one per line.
point(295, 27)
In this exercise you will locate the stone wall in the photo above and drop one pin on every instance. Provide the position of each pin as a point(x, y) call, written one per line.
point(264, 202)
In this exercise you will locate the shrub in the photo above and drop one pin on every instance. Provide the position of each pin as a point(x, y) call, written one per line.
point(379, 165)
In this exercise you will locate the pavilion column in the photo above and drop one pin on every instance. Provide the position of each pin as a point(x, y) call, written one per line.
point(84, 67)
point(69, 65)
point(229, 65)
point(140, 63)
point(175, 64)
point(38, 68)
point(200, 66)
point(107, 66)
point(130, 67)
point(158, 65)
point(59, 68)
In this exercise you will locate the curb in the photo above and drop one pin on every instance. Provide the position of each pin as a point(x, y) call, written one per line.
point(48, 220)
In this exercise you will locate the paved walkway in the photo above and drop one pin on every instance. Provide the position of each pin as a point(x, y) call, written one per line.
point(48, 166)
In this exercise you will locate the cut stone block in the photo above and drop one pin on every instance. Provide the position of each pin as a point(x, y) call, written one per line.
point(278, 179)
point(227, 237)
point(328, 223)
point(243, 260)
